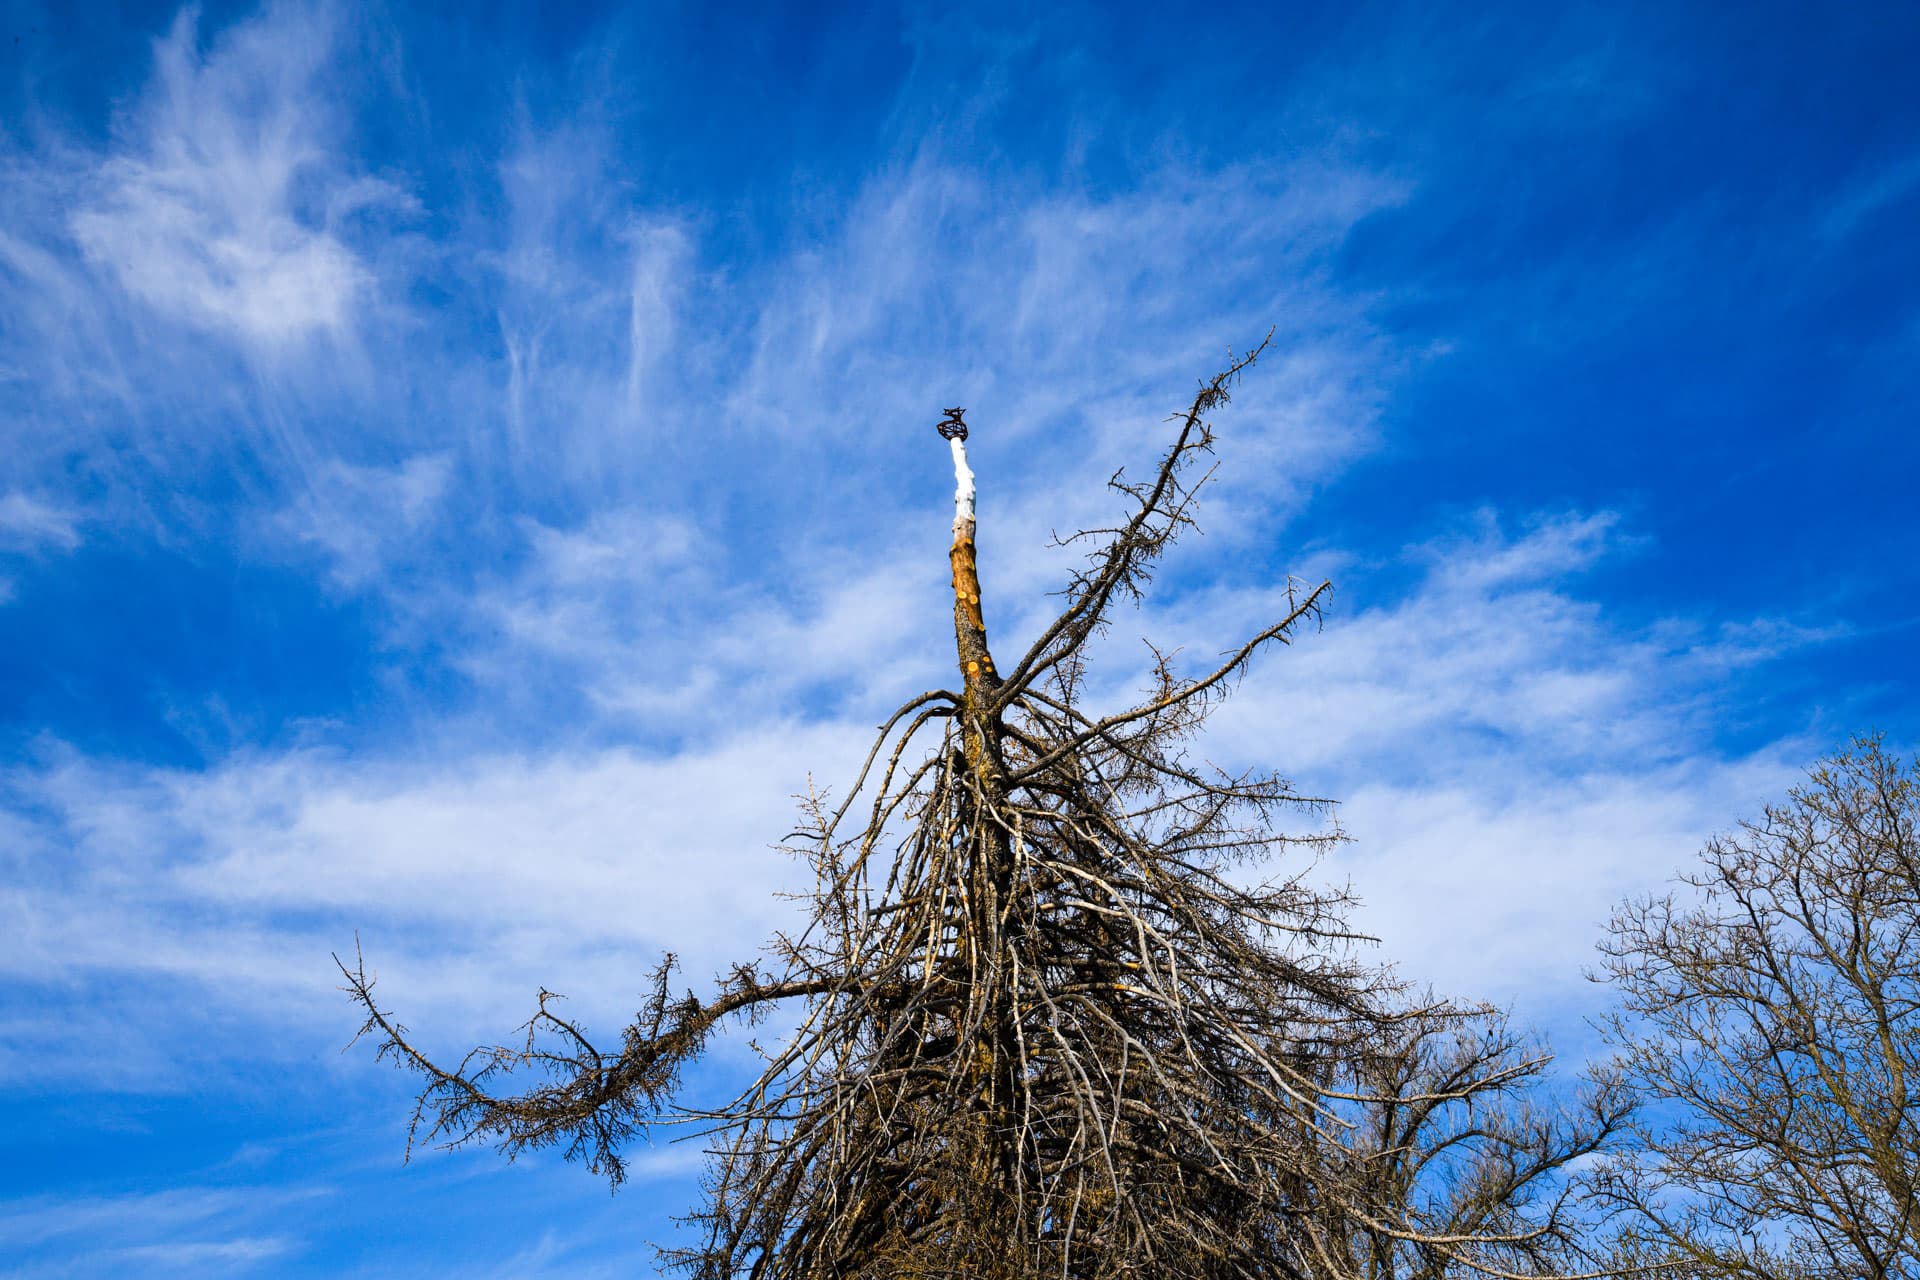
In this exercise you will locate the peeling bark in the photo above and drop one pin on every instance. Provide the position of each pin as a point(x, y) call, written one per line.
point(995, 1051)
point(969, 625)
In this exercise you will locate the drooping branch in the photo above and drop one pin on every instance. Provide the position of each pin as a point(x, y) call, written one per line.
point(598, 1100)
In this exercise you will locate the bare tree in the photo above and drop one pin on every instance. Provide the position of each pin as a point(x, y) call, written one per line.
point(1053, 1013)
point(1771, 1015)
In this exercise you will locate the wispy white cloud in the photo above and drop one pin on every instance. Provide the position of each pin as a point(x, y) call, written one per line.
point(1512, 758)
point(660, 253)
point(472, 879)
point(626, 361)
point(696, 492)
point(223, 201)
point(197, 1255)
point(1507, 753)
point(642, 615)
point(1496, 882)
point(1039, 305)
point(30, 528)
point(1494, 646)
point(28, 523)
point(689, 497)
point(1868, 195)
point(195, 295)
point(185, 1230)
point(645, 496)
point(356, 515)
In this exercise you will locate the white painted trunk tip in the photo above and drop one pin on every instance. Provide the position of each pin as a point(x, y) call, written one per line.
point(962, 490)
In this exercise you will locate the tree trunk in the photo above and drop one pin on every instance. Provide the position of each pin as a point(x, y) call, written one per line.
point(995, 1049)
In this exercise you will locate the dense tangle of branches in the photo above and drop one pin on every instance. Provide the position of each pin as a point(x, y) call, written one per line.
point(1066, 1003)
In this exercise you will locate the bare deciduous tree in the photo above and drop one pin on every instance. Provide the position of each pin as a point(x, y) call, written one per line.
point(1772, 1018)
point(1052, 1014)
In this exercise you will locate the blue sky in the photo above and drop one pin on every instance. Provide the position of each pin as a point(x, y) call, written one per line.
point(462, 473)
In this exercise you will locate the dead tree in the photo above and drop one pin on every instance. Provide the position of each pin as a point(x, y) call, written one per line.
point(1053, 1013)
